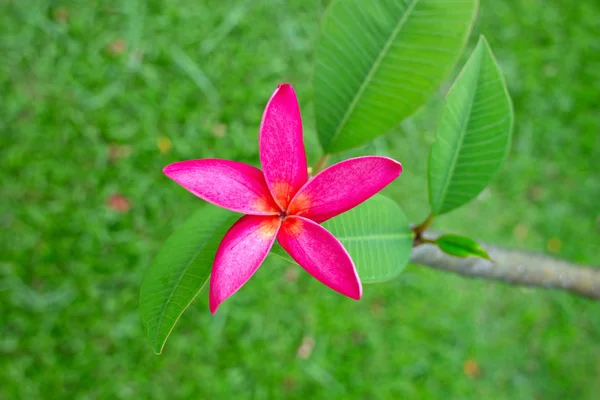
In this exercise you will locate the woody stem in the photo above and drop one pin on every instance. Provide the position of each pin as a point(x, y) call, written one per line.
point(514, 267)
point(419, 229)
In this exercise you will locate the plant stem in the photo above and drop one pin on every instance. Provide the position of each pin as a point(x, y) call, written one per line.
point(321, 164)
point(514, 267)
point(419, 229)
point(423, 240)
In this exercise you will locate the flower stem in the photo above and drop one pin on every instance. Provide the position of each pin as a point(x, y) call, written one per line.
point(321, 164)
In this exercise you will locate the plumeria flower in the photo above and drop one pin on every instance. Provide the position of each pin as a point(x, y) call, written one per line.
point(281, 202)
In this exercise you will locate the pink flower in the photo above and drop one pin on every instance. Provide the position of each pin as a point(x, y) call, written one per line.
point(282, 203)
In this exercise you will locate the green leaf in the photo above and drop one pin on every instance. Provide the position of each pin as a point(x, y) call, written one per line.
point(473, 135)
point(378, 61)
point(460, 246)
point(180, 271)
point(377, 236)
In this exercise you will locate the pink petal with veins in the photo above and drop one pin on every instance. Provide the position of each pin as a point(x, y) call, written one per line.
point(229, 184)
point(281, 147)
point(343, 186)
point(242, 250)
point(320, 254)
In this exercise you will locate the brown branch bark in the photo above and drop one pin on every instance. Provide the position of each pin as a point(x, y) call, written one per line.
point(515, 267)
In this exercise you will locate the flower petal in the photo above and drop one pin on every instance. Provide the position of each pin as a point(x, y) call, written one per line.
point(281, 147)
point(343, 186)
point(320, 254)
point(229, 184)
point(242, 250)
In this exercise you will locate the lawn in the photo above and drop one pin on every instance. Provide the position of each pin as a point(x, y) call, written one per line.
point(97, 97)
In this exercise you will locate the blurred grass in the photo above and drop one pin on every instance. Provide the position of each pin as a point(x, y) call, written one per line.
point(97, 97)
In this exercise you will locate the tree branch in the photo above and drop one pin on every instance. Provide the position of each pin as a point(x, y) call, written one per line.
point(515, 267)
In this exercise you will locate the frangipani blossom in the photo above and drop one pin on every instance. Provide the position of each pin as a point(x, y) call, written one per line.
point(280, 202)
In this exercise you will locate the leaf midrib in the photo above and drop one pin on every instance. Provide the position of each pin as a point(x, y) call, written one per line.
point(463, 133)
point(174, 289)
point(168, 302)
point(375, 237)
point(382, 54)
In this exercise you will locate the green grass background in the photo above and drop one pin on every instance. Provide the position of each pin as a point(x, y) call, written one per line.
point(199, 73)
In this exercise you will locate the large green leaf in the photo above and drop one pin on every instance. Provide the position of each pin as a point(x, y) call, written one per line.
point(180, 270)
point(378, 61)
point(377, 236)
point(473, 135)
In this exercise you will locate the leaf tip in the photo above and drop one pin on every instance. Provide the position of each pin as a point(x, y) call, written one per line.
point(484, 254)
point(157, 352)
point(155, 345)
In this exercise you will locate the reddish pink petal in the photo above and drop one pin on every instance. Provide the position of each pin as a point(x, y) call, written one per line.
point(343, 186)
point(320, 254)
point(228, 184)
point(242, 250)
point(281, 147)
